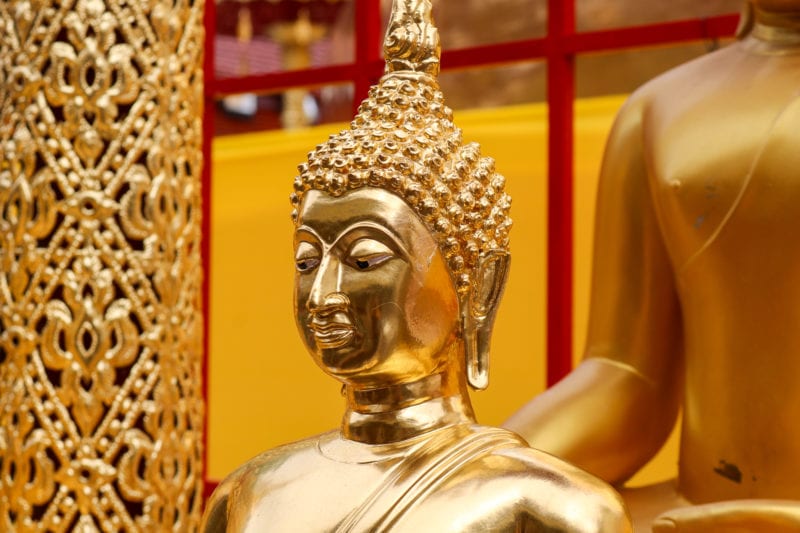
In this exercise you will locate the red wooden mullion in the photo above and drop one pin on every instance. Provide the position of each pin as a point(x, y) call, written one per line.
point(492, 54)
point(209, 105)
point(368, 64)
point(560, 97)
point(653, 34)
point(280, 81)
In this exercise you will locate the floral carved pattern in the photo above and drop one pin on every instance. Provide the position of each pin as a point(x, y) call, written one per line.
point(101, 409)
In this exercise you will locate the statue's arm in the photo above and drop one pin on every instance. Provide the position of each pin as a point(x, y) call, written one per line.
point(613, 412)
point(775, 516)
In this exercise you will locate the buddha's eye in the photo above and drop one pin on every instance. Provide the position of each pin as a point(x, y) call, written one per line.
point(304, 265)
point(366, 254)
point(306, 257)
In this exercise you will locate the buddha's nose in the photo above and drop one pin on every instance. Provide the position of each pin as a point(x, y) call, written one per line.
point(326, 283)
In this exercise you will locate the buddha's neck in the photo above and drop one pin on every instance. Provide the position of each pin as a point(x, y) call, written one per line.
point(777, 30)
point(406, 410)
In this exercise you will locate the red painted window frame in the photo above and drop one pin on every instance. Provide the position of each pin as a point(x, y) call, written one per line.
point(558, 49)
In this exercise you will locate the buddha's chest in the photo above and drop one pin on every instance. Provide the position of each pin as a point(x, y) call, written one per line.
point(726, 183)
point(349, 508)
point(321, 497)
point(330, 496)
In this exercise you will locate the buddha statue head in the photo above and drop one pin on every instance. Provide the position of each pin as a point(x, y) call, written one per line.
point(401, 229)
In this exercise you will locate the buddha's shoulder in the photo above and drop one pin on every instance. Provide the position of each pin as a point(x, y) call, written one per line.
point(303, 455)
point(273, 466)
point(539, 465)
point(546, 486)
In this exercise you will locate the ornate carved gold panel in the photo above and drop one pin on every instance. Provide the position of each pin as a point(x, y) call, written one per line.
point(100, 325)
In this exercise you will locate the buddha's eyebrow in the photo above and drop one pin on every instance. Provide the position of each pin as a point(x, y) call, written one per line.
point(395, 239)
point(306, 229)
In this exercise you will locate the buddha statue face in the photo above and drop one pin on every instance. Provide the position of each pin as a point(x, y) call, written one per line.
point(375, 303)
point(401, 164)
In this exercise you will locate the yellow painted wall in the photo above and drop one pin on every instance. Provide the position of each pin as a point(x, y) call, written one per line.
point(264, 389)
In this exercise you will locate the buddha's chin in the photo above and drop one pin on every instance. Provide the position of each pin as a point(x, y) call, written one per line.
point(344, 361)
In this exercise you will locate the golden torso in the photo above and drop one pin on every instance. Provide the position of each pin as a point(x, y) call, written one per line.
point(694, 295)
point(728, 206)
point(459, 478)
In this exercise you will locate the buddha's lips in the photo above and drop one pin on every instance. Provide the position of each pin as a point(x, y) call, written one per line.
point(332, 334)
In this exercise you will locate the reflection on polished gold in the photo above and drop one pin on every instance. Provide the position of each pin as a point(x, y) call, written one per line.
point(401, 237)
point(695, 293)
point(296, 38)
point(100, 326)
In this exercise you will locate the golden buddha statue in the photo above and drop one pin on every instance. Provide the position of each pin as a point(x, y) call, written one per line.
point(401, 240)
point(695, 293)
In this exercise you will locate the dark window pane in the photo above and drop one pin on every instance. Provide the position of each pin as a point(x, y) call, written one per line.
point(494, 86)
point(476, 22)
point(255, 37)
point(467, 23)
point(246, 113)
point(605, 14)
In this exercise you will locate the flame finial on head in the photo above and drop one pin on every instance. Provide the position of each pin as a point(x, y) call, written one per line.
point(412, 40)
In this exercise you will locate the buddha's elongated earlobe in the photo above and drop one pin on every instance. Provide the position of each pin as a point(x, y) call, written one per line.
point(746, 20)
point(478, 310)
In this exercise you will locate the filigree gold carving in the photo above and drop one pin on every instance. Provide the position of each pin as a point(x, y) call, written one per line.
point(100, 325)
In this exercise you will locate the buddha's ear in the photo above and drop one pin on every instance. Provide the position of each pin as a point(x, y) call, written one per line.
point(478, 310)
point(746, 20)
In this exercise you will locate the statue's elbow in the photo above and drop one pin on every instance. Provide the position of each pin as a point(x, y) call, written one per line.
point(215, 518)
point(608, 516)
